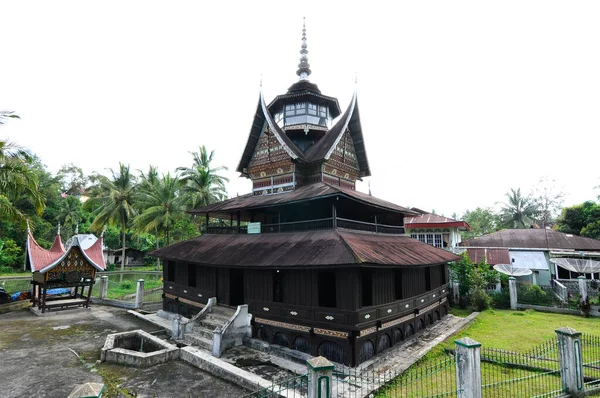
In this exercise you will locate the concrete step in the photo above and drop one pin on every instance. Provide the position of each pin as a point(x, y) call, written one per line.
point(223, 311)
point(199, 341)
point(204, 332)
point(218, 317)
point(210, 323)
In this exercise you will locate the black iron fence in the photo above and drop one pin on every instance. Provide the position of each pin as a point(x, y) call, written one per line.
point(295, 387)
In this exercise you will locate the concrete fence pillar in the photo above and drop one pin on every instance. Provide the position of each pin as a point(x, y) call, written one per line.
point(319, 377)
point(455, 292)
point(139, 293)
point(571, 362)
point(468, 368)
point(512, 289)
point(103, 286)
point(582, 286)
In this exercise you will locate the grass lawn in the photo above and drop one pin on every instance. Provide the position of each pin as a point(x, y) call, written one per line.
point(521, 330)
point(119, 290)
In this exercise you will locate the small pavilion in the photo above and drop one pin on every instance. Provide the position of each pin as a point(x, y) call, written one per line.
point(73, 268)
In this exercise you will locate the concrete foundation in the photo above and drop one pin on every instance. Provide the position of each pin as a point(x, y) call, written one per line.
point(137, 348)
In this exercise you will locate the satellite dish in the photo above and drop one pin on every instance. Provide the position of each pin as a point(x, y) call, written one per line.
point(509, 270)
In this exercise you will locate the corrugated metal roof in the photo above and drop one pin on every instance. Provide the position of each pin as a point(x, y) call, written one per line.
point(428, 220)
point(534, 238)
point(308, 192)
point(308, 248)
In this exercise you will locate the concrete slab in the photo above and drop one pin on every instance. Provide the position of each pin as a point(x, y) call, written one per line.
point(49, 356)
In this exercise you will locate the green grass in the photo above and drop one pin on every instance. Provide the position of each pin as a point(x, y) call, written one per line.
point(461, 312)
point(521, 330)
point(119, 290)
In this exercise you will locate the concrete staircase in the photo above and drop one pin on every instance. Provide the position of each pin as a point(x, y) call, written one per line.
point(202, 334)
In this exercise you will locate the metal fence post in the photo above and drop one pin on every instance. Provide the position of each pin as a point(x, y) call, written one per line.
point(103, 287)
point(512, 288)
point(468, 368)
point(582, 287)
point(319, 377)
point(571, 361)
point(139, 293)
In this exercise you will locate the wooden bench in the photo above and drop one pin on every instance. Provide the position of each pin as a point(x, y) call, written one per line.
point(64, 303)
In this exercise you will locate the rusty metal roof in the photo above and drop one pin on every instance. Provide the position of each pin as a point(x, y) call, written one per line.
point(308, 248)
point(428, 220)
point(534, 238)
point(308, 192)
point(491, 256)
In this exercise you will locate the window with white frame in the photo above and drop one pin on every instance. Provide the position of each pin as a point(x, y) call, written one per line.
point(430, 238)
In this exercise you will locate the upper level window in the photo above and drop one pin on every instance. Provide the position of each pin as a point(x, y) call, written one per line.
point(432, 239)
point(305, 112)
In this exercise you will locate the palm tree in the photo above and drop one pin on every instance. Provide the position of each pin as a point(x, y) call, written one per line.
point(520, 211)
point(116, 196)
point(69, 213)
point(201, 184)
point(17, 179)
point(162, 206)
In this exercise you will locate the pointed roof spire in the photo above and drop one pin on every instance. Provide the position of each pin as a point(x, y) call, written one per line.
point(303, 67)
point(76, 228)
point(58, 229)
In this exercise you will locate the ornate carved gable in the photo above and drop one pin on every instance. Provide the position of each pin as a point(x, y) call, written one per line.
point(270, 168)
point(342, 167)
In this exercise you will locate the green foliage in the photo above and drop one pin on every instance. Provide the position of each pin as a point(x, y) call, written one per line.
point(462, 272)
point(482, 221)
point(534, 295)
point(520, 211)
point(500, 299)
point(479, 281)
point(582, 219)
point(11, 255)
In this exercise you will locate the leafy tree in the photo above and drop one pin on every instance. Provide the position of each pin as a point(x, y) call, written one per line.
point(582, 219)
point(69, 214)
point(520, 211)
point(10, 253)
point(72, 179)
point(115, 196)
point(462, 272)
point(201, 184)
point(482, 221)
point(549, 200)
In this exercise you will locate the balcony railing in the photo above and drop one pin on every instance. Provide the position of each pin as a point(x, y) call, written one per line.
point(310, 225)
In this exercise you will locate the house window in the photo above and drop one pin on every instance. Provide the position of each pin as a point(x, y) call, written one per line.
point(432, 239)
point(327, 291)
point(191, 275)
point(398, 284)
point(277, 286)
point(367, 287)
point(171, 271)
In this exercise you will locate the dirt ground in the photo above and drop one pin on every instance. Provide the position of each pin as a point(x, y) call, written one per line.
point(48, 356)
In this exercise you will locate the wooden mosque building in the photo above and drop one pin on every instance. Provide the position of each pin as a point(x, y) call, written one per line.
point(323, 268)
point(73, 268)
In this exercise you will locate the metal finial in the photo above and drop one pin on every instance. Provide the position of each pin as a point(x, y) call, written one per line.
point(303, 67)
point(103, 230)
point(261, 80)
point(77, 229)
point(28, 229)
point(58, 229)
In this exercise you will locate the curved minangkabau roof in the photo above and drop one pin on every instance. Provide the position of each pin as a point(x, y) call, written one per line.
point(41, 260)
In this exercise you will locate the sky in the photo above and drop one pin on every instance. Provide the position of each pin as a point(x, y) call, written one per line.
point(460, 100)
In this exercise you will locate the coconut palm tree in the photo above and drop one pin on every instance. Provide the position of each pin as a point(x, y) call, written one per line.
point(17, 179)
point(520, 211)
point(162, 206)
point(115, 197)
point(201, 184)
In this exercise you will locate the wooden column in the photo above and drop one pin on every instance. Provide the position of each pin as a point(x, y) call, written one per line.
point(334, 215)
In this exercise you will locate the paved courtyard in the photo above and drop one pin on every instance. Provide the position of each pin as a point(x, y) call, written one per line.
point(47, 356)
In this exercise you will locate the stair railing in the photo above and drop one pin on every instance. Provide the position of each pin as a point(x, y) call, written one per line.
point(233, 331)
point(180, 328)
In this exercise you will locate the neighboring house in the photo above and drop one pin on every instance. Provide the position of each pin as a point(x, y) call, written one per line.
point(437, 231)
point(135, 257)
point(537, 250)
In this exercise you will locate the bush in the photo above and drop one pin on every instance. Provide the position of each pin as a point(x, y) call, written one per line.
point(534, 295)
point(126, 285)
point(110, 267)
point(501, 299)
